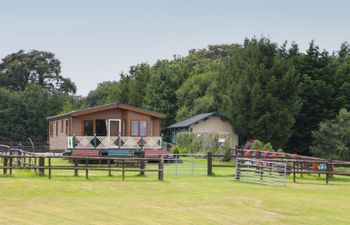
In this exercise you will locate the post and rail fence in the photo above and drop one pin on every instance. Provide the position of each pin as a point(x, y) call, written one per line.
point(40, 164)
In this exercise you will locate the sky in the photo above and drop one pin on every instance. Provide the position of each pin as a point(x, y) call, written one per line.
point(96, 40)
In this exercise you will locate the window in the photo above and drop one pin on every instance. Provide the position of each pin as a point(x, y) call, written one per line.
point(56, 127)
point(51, 129)
point(88, 127)
point(143, 128)
point(67, 127)
point(61, 126)
point(134, 128)
point(101, 128)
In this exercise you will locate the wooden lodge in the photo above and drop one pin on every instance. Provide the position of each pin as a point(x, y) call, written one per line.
point(112, 129)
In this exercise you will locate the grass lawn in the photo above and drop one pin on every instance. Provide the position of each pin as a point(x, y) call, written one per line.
point(28, 199)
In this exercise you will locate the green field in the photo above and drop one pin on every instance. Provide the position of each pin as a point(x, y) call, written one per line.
point(28, 199)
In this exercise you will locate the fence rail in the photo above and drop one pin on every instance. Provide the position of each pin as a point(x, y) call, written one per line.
point(112, 164)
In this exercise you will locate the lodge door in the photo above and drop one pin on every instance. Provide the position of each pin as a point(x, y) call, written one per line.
point(114, 127)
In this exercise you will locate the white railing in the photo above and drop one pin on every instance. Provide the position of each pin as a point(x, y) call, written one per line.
point(113, 142)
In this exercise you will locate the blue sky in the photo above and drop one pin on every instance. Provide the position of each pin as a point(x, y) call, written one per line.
point(96, 40)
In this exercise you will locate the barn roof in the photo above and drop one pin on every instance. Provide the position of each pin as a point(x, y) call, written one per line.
point(115, 105)
point(192, 120)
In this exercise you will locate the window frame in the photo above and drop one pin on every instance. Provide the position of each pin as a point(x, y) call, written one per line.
point(93, 127)
point(140, 127)
point(131, 128)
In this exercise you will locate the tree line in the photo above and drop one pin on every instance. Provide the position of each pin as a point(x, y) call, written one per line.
point(273, 93)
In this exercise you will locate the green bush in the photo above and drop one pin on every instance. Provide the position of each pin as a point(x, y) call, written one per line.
point(184, 139)
point(176, 150)
point(185, 151)
point(257, 145)
point(268, 147)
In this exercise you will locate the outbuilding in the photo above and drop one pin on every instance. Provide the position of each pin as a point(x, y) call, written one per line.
point(204, 124)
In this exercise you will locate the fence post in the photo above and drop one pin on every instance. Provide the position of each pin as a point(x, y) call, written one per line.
point(5, 165)
point(327, 172)
point(142, 164)
point(109, 168)
point(41, 166)
point(86, 169)
point(75, 167)
point(210, 163)
point(294, 171)
point(10, 164)
point(161, 168)
point(49, 167)
point(123, 169)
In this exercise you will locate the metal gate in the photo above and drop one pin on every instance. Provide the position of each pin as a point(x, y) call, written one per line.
point(186, 165)
point(261, 171)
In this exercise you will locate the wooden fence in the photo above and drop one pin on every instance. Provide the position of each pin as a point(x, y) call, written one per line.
point(41, 164)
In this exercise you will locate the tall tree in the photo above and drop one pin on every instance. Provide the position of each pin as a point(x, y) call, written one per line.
point(161, 91)
point(317, 72)
point(262, 92)
point(38, 67)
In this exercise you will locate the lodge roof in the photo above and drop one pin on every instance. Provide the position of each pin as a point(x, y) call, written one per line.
point(192, 120)
point(115, 105)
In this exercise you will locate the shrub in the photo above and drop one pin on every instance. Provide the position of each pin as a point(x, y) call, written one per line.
point(176, 150)
point(268, 147)
point(184, 139)
point(257, 145)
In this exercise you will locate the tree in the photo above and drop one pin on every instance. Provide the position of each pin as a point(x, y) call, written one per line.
point(332, 140)
point(323, 92)
point(197, 94)
point(103, 94)
point(10, 120)
point(262, 92)
point(19, 69)
point(161, 91)
point(139, 77)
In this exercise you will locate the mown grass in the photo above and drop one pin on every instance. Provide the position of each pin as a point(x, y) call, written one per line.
point(65, 199)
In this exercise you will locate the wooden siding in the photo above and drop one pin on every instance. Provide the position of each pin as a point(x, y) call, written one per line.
point(76, 125)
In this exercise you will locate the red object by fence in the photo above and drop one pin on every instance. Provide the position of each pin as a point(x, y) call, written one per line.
point(155, 153)
point(85, 153)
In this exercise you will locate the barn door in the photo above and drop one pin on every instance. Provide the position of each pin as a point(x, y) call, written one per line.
point(114, 127)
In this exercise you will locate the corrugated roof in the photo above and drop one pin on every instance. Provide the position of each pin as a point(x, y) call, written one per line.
point(194, 119)
point(107, 107)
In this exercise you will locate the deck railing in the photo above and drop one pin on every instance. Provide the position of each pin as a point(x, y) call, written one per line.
point(114, 142)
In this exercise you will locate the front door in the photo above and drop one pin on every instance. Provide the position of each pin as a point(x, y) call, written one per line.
point(114, 127)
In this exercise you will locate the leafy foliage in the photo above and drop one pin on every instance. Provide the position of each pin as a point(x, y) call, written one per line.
point(19, 69)
point(261, 92)
point(332, 140)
